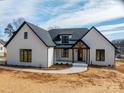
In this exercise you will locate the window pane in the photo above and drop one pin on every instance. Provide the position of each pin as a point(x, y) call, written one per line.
point(65, 53)
point(29, 56)
point(100, 55)
point(25, 55)
point(65, 39)
point(21, 55)
point(25, 35)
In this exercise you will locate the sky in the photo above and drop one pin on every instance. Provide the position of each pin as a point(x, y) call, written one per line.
point(106, 15)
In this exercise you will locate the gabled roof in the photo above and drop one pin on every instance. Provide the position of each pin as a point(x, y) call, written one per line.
point(2, 42)
point(82, 42)
point(101, 35)
point(76, 33)
point(42, 34)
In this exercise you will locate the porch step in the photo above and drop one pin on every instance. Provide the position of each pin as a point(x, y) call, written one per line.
point(80, 64)
point(63, 62)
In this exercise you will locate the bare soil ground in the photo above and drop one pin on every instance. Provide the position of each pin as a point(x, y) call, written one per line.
point(95, 80)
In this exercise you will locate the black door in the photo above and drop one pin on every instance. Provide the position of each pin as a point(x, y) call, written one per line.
point(80, 55)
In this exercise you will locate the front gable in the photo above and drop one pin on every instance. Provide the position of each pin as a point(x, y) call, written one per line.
point(80, 44)
point(40, 33)
point(33, 43)
point(19, 37)
point(99, 35)
point(96, 41)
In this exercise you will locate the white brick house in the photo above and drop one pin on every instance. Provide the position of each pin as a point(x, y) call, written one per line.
point(34, 46)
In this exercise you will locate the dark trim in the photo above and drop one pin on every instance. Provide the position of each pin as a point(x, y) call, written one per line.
point(64, 44)
point(68, 48)
point(25, 35)
point(27, 50)
point(82, 42)
point(62, 48)
point(105, 38)
point(14, 34)
point(100, 55)
point(101, 35)
point(64, 34)
point(19, 30)
point(37, 35)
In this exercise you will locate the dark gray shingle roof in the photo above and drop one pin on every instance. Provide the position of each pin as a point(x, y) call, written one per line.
point(42, 34)
point(76, 33)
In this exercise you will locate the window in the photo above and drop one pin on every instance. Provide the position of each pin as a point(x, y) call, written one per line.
point(25, 55)
point(25, 35)
point(65, 53)
point(65, 39)
point(100, 55)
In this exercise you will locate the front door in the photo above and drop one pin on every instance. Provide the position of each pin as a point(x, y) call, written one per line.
point(80, 55)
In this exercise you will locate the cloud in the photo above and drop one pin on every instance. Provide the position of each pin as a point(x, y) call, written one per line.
point(110, 27)
point(62, 13)
point(106, 10)
point(113, 32)
point(13, 9)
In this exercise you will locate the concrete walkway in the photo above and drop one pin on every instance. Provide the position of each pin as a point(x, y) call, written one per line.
point(73, 69)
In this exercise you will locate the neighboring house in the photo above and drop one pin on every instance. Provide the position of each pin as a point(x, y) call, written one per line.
point(34, 46)
point(2, 49)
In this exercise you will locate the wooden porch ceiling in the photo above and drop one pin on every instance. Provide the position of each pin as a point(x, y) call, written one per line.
point(80, 45)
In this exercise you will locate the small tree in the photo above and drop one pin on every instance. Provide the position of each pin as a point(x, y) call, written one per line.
point(9, 30)
point(18, 22)
point(12, 27)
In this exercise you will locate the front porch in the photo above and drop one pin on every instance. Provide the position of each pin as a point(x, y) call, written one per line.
point(78, 53)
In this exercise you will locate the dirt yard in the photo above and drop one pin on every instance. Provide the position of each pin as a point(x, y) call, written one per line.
point(95, 80)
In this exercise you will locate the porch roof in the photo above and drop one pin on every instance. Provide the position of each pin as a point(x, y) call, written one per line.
point(83, 44)
point(79, 44)
point(63, 46)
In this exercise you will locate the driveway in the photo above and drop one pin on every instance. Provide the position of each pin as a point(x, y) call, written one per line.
point(73, 69)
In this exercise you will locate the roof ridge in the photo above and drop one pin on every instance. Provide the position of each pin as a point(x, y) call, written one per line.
point(67, 28)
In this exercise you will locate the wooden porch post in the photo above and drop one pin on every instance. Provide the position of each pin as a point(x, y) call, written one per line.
point(89, 56)
point(86, 55)
point(72, 55)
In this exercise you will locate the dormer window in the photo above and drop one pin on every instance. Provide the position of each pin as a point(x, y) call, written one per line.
point(65, 39)
point(25, 35)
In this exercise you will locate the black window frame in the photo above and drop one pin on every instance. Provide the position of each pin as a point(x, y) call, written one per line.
point(100, 55)
point(24, 57)
point(25, 35)
point(65, 53)
point(65, 39)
